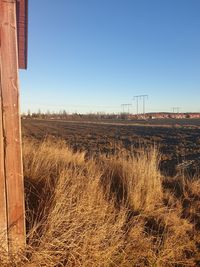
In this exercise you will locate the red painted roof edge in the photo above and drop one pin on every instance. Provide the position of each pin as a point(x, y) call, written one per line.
point(22, 32)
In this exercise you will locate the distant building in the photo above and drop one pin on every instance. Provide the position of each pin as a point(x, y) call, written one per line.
point(193, 115)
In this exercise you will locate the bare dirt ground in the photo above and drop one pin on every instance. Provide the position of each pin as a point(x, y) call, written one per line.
point(178, 140)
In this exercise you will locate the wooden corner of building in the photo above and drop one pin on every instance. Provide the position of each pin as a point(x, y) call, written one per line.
point(12, 211)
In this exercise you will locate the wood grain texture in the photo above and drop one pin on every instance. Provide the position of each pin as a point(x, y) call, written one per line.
point(3, 210)
point(12, 127)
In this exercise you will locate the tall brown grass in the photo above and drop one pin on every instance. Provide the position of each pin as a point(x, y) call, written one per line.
point(106, 212)
point(135, 180)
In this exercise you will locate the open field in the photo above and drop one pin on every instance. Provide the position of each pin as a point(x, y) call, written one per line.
point(110, 205)
point(179, 145)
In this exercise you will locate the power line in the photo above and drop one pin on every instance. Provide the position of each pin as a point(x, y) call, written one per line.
point(138, 97)
point(126, 106)
point(175, 109)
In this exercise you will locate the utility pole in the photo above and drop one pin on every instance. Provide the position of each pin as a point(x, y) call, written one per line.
point(175, 109)
point(137, 98)
point(143, 97)
point(126, 106)
point(122, 105)
point(129, 105)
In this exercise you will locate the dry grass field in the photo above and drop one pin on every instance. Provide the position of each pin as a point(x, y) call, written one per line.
point(114, 209)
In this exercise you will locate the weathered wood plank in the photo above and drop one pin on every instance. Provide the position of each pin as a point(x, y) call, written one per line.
point(3, 213)
point(12, 127)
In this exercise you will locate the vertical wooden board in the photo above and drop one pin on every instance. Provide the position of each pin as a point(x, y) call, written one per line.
point(3, 212)
point(12, 128)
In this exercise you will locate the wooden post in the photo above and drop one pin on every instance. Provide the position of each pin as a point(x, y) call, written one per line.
point(12, 210)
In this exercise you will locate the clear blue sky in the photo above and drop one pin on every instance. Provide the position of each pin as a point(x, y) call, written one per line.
point(94, 55)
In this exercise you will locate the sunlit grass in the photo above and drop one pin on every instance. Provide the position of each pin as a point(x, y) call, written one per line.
point(110, 211)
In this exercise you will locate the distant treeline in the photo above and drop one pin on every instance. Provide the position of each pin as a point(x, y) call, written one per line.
point(63, 115)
